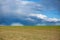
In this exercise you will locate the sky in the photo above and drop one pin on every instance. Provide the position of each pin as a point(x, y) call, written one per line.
point(29, 12)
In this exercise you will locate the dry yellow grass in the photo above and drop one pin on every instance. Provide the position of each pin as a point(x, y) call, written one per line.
point(32, 33)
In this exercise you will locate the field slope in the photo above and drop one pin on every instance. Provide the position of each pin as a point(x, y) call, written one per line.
point(30, 33)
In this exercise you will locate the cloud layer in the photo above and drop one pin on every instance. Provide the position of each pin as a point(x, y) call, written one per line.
point(22, 12)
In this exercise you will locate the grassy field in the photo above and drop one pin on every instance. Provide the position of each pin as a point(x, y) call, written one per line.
point(30, 33)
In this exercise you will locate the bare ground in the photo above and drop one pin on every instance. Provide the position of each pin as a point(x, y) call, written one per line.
point(29, 34)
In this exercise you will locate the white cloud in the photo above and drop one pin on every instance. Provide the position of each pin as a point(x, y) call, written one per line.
point(44, 17)
point(26, 7)
point(22, 2)
point(30, 19)
point(41, 16)
point(22, 6)
point(52, 20)
point(40, 24)
point(17, 24)
point(25, 2)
